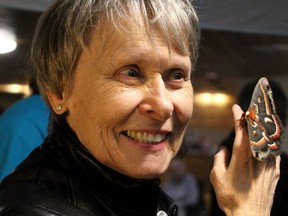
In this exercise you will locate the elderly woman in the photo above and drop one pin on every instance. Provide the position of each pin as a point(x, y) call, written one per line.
point(117, 76)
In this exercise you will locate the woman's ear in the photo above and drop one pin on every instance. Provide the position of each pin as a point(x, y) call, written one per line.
point(58, 104)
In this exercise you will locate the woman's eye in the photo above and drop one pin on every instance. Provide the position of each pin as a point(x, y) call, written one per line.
point(176, 78)
point(133, 73)
point(176, 75)
point(129, 75)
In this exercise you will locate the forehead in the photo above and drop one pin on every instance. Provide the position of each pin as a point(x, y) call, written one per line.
point(110, 35)
point(134, 43)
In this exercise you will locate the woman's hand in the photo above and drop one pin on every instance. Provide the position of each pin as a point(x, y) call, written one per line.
point(245, 186)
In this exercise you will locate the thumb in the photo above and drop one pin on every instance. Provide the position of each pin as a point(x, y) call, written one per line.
point(220, 164)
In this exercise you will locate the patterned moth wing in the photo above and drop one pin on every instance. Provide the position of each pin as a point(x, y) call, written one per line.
point(266, 132)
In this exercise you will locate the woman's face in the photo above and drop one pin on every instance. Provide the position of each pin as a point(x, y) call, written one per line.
point(131, 102)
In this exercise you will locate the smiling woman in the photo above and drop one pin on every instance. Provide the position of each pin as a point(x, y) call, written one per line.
point(154, 93)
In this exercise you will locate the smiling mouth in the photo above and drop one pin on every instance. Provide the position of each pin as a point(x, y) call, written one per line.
point(146, 137)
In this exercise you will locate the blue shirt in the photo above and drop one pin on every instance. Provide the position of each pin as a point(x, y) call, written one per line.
point(23, 126)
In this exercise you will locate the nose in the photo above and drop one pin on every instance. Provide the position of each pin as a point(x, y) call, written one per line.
point(157, 103)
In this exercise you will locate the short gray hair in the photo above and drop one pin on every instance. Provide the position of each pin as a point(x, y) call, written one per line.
point(64, 30)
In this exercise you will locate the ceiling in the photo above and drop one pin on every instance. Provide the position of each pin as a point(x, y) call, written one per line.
point(234, 55)
point(257, 16)
point(229, 49)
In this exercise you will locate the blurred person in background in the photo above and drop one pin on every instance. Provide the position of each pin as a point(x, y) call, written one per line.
point(183, 187)
point(23, 126)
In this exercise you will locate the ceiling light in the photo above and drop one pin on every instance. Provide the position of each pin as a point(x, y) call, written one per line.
point(7, 41)
point(212, 99)
point(15, 89)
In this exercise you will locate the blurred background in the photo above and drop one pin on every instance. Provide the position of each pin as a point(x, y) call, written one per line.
point(242, 40)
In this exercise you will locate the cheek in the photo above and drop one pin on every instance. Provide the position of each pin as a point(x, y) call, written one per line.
point(82, 117)
point(184, 105)
point(103, 106)
point(117, 104)
point(86, 103)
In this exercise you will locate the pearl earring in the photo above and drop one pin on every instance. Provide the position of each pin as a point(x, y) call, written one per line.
point(59, 107)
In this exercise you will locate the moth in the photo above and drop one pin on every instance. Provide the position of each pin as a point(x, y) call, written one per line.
point(265, 129)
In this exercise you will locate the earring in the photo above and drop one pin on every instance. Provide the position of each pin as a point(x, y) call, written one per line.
point(59, 107)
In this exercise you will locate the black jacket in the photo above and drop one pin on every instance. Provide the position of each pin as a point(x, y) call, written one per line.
point(62, 178)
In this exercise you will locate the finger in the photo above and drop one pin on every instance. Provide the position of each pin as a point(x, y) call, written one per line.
point(277, 167)
point(278, 162)
point(220, 164)
point(270, 165)
point(241, 147)
point(221, 158)
point(274, 163)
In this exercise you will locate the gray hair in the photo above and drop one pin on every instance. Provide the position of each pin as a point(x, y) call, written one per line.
point(64, 30)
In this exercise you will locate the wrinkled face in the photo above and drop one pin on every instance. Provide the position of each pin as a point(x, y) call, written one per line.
point(131, 102)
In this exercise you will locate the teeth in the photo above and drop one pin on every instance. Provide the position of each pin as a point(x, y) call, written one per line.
point(146, 137)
